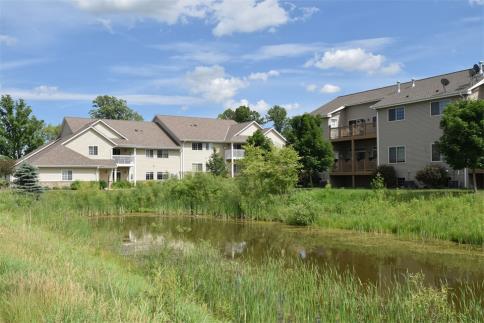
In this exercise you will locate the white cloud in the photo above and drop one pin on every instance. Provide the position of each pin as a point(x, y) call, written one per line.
point(7, 40)
point(391, 69)
point(476, 2)
point(330, 88)
point(52, 93)
point(206, 53)
point(213, 84)
point(263, 76)
point(291, 106)
point(107, 24)
point(10, 65)
point(260, 106)
point(304, 13)
point(311, 87)
point(353, 59)
point(247, 16)
point(148, 70)
point(283, 50)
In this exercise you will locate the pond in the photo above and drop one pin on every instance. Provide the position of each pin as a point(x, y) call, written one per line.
point(375, 258)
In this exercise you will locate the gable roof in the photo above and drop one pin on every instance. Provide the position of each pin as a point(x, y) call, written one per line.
point(425, 89)
point(196, 128)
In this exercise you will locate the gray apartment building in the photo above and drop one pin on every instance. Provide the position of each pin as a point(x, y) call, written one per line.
point(396, 125)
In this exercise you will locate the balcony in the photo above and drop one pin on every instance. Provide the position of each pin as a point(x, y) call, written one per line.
point(361, 167)
point(123, 160)
point(357, 131)
point(238, 154)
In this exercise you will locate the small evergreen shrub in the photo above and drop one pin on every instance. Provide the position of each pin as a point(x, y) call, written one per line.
point(27, 179)
point(76, 185)
point(378, 182)
point(433, 176)
point(389, 175)
point(103, 185)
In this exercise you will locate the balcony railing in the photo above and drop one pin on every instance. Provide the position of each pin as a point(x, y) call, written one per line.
point(123, 159)
point(238, 154)
point(353, 131)
point(345, 166)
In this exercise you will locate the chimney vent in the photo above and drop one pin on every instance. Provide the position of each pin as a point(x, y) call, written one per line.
point(398, 86)
point(413, 82)
point(481, 64)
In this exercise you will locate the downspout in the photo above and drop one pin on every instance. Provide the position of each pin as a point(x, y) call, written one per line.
point(377, 140)
point(182, 156)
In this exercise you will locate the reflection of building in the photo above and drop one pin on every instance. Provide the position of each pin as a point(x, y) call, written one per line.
point(396, 125)
point(111, 150)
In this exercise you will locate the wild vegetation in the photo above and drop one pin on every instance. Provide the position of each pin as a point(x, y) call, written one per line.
point(54, 266)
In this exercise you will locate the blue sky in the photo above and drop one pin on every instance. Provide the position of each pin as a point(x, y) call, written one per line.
point(198, 57)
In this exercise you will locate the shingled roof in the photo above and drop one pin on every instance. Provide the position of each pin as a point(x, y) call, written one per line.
point(425, 89)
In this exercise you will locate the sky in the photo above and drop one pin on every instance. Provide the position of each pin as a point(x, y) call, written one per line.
point(199, 57)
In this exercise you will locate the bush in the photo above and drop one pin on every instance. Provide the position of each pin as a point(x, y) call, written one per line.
point(389, 175)
point(27, 179)
point(122, 184)
point(433, 176)
point(4, 183)
point(76, 185)
point(103, 185)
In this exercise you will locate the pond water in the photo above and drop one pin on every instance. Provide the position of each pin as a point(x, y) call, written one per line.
point(372, 257)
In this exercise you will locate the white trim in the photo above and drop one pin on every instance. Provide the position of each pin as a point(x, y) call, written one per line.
point(85, 130)
point(396, 157)
point(35, 152)
point(73, 166)
point(134, 166)
point(247, 126)
point(395, 108)
point(435, 161)
point(117, 132)
point(62, 175)
point(329, 115)
point(469, 90)
point(415, 101)
point(277, 133)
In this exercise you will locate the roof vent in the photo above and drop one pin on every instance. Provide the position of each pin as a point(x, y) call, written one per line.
point(481, 65)
point(413, 82)
point(398, 86)
point(193, 125)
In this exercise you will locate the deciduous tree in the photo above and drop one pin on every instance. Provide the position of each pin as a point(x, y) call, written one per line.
point(259, 140)
point(462, 141)
point(242, 114)
point(20, 131)
point(216, 164)
point(278, 116)
point(110, 107)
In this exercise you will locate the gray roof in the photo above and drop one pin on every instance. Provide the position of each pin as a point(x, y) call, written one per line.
point(200, 129)
point(425, 89)
point(139, 134)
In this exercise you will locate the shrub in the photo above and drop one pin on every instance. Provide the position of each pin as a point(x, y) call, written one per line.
point(433, 176)
point(103, 185)
point(76, 185)
point(4, 183)
point(122, 184)
point(389, 175)
point(27, 179)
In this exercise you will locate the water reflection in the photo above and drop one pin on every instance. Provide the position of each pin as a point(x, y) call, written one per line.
point(259, 241)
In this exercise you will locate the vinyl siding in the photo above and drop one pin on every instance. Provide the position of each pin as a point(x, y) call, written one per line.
point(106, 131)
point(249, 131)
point(198, 156)
point(91, 138)
point(416, 133)
point(55, 174)
point(276, 140)
point(145, 164)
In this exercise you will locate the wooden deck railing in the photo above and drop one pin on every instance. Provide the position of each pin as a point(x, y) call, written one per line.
point(345, 166)
point(357, 130)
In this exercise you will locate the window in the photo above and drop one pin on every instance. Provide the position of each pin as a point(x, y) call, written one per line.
point(197, 146)
point(149, 176)
point(67, 175)
point(162, 176)
point(208, 146)
point(436, 155)
point(396, 155)
point(437, 107)
point(93, 150)
point(161, 153)
point(149, 153)
point(396, 114)
point(238, 146)
point(197, 167)
point(116, 151)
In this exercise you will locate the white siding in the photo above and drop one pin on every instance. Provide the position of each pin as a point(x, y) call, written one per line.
point(106, 131)
point(55, 174)
point(250, 130)
point(198, 156)
point(276, 139)
point(145, 164)
point(91, 138)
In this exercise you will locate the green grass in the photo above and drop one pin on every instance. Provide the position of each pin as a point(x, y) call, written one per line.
point(55, 267)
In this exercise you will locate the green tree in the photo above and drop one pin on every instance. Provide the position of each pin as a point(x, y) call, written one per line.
point(6, 167)
point(242, 114)
point(278, 116)
point(110, 107)
point(51, 132)
point(462, 141)
point(20, 131)
point(27, 179)
point(268, 172)
point(216, 164)
point(259, 140)
point(304, 133)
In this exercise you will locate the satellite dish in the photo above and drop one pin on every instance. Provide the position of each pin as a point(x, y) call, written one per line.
point(444, 82)
point(476, 69)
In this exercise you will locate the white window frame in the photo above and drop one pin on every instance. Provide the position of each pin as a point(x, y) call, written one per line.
point(396, 156)
point(441, 110)
point(93, 150)
point(150, 174)
point(432, 154)
point(162, 153)
point(149, 153)
point(400, 107)
point(199, 169)
point(164, 176)
point(67, 172)
point(197, 145)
